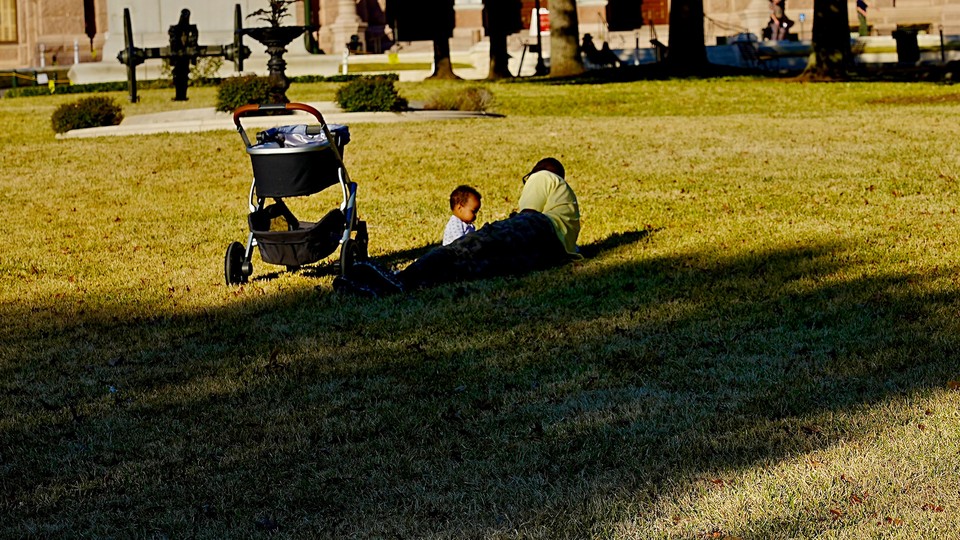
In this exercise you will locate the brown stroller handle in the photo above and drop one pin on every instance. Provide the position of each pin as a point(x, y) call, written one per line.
point(243, 110)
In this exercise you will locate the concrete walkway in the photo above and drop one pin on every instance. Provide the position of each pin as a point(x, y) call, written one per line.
point(208, 119)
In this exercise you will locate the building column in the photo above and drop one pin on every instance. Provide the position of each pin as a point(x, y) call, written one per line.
point(346, 24)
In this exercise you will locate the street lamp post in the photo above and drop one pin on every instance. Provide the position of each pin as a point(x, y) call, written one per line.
point(541, 67)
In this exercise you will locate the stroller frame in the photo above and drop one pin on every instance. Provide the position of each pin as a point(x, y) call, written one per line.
point(296, 171)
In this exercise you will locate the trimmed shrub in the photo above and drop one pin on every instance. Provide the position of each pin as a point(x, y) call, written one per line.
point(94, 88)
point(88, 112)
point(235, 92)
point(30, 91)
point(370, 93)
point(331, 78)
point(472, 98)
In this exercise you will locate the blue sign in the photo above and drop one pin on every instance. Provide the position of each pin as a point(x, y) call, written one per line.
point(803, 17)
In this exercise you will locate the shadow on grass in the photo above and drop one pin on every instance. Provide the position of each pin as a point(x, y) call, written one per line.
point(402, 258)
point(511, 406)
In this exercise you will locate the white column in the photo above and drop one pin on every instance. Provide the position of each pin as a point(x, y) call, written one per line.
point(347, 24)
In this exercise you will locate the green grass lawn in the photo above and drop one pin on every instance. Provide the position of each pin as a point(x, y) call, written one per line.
point(762, 341)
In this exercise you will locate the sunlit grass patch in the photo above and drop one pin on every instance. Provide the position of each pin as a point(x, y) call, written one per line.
point(760, 342)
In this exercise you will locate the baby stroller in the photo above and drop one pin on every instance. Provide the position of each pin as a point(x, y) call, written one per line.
point(296, 161)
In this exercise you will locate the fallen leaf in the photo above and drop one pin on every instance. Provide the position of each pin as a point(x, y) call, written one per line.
point(837, 514)
point(921, 427)
point(855, 499)
point(953, 385)
point(932, 507)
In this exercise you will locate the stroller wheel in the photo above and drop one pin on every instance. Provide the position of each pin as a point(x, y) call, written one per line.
point(351, 253)
point(360, 249)
point(233, 264)
point(354, 250)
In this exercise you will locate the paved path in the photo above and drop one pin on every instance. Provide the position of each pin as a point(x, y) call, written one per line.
point(208, 119)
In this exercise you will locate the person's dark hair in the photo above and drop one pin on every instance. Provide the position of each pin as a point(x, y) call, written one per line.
point(462, 195)
point(547, 164)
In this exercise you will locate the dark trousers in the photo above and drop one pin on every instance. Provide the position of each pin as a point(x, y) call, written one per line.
point(523, 243)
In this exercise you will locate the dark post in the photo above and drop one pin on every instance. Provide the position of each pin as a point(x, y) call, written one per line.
point(90, 20)
point(541, 67)
point(943, 51)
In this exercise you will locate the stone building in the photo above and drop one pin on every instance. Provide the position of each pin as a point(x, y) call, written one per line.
point(36, 33)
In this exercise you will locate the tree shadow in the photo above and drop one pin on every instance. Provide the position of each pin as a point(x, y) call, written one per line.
point(507, 407)
point(614, 241)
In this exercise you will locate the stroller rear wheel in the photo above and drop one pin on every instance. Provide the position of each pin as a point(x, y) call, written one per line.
point(233, 264)
point(352, 252)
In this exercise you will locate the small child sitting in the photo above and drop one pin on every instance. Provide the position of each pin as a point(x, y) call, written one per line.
point(465, 204)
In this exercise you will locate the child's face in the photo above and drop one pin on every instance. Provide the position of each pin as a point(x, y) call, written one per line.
point(467, 212)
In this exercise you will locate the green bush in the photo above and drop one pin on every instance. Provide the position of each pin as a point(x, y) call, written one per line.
point(88, 112)
point(328, 78)
point(472, 98)
point(30, 91)
point(371, 93)
point(235, 92)
point(93, 88)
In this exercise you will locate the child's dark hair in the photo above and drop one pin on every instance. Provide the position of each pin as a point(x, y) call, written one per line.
point(462, 195)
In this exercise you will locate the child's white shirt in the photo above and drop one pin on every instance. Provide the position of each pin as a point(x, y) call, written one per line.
point(455, 229)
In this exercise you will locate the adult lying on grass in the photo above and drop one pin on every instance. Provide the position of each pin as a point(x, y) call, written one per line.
point(541, 235)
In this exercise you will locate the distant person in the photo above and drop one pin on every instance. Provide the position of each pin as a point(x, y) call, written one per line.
point(541, 235)
point(779, 23)
point(862, 6)
point(465, 204)
point(602, 57)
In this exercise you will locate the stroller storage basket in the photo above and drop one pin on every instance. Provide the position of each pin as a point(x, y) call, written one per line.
point(305, 243)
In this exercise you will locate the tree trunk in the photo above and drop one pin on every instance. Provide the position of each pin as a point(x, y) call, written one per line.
point(686, 52)
point(564, 39)
point(442, 66)
point(499, 58)
point(831, 58)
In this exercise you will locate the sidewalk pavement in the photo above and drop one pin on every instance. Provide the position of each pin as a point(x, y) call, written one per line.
point(208, 119)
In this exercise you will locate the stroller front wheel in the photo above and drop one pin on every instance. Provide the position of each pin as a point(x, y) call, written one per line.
point(233, 264)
